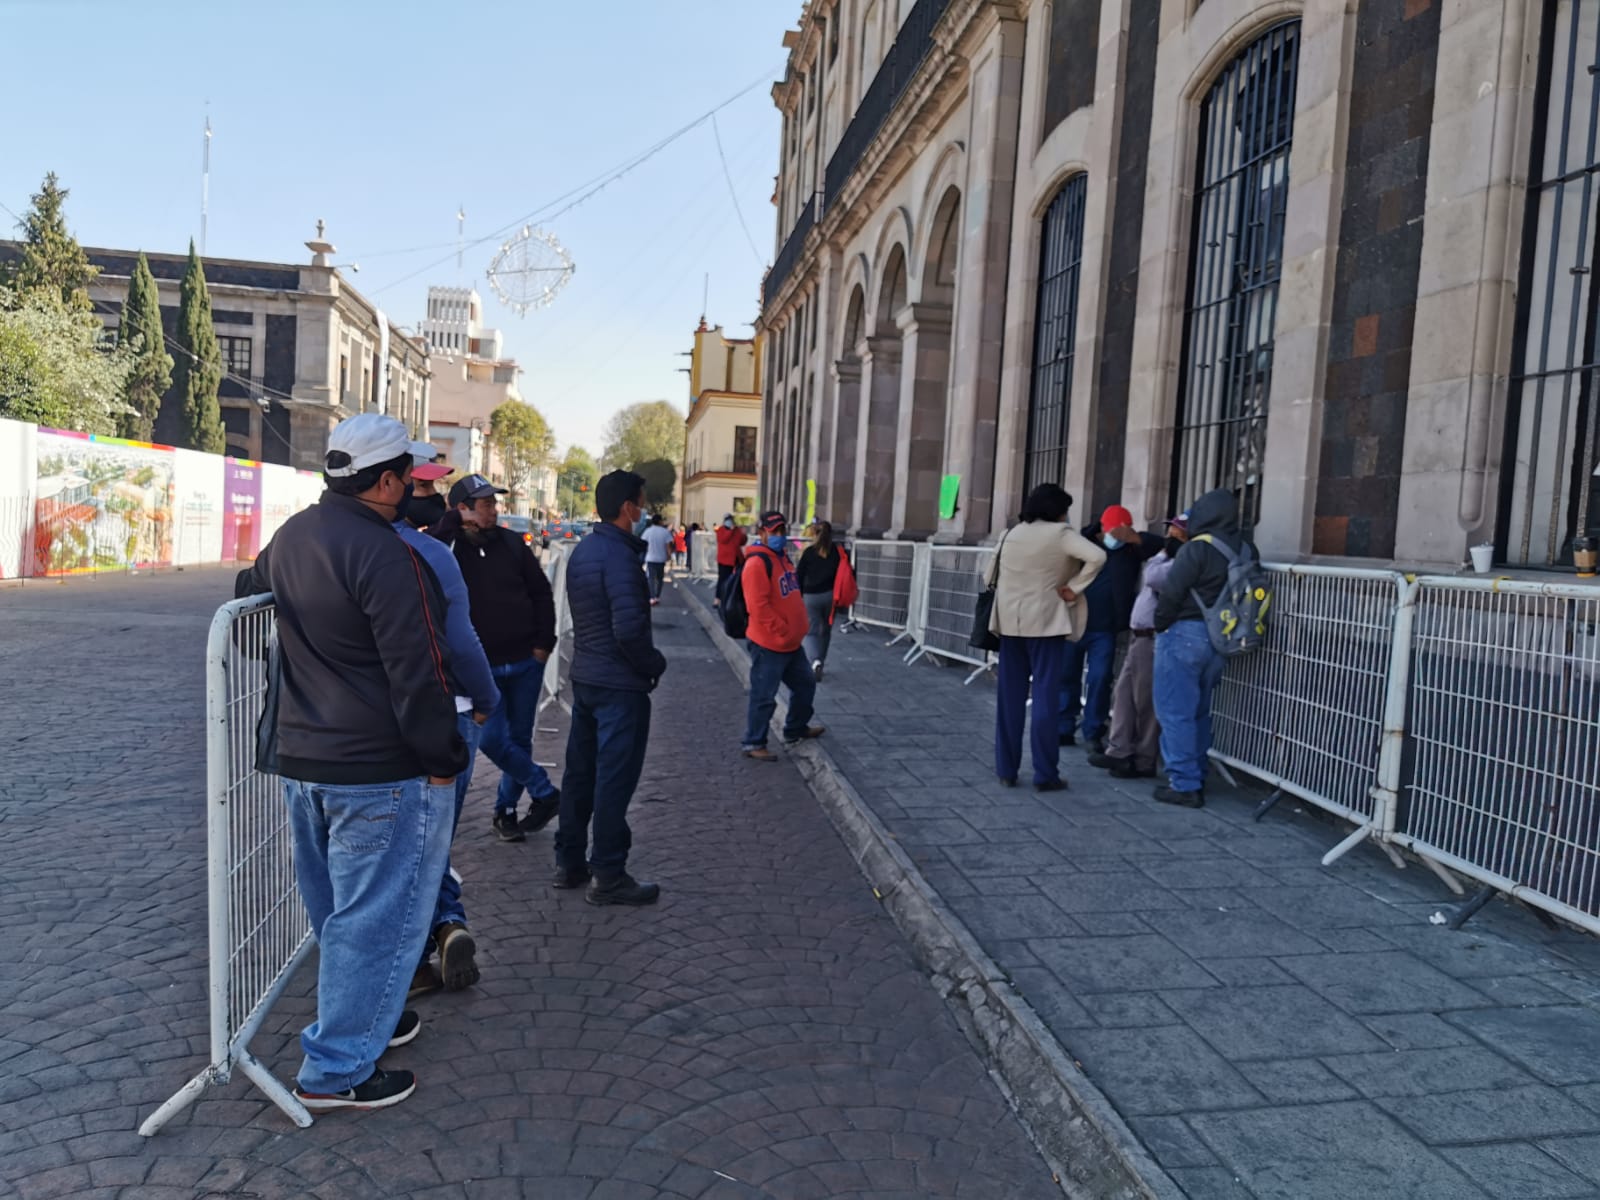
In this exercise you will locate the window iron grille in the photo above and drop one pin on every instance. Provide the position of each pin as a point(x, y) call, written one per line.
point(1055, 335)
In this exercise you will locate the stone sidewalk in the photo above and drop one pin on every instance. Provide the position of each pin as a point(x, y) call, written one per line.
point(1263, 1026)
point(763, 1032)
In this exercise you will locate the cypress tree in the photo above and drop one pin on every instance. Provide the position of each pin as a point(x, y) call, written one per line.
point(197, 369)
point(53, 266)
point(151, 373)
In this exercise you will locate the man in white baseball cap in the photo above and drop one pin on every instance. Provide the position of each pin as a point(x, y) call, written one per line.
point(366, 738)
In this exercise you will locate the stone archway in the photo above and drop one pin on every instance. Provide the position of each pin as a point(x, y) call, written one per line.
point(840, 502)
point(925, 381)
point(880, 415)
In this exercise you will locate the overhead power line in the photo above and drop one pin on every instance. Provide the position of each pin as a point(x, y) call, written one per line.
point(733, 193)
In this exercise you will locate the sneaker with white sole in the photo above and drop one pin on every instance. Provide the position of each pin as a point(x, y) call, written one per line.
point(381, 1090)
point(406, 1029)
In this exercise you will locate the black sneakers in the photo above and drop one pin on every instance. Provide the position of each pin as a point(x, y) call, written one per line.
point(381, 1090)
point(1167, 795)
point(505, 825)
point(458, 964)
point(568, 880)
point(406, 1029)
point(622, 889)
point(1054, 785)
point(540, 813)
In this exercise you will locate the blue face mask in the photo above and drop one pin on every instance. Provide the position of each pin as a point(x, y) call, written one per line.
point(777, 541)
point(1109, 542)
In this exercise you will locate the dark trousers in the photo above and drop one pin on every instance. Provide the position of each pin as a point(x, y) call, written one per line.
point(1086, 685)
point(656, 573)
point(769, 668)
point(724, 571)
point(1042, 660)
point(605, 756)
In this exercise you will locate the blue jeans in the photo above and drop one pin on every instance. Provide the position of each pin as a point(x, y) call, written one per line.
point(605, 757)
point(1022, 659)
point(768, 669)
point(508, 735)
point(367, 858)
point(657, 574)
point(449, 908)
point(1187, 672)
point(1089, 661)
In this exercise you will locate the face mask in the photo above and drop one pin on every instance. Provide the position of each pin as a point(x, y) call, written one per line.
point(777, 541)
point(1173, 545)
point(1109, 542)
point(405, 503)
point(727, 524)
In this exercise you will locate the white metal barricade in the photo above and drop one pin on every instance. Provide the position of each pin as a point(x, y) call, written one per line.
point(555, 569)
point(259, 932)
point(703, 555)
point(955, 577)
point(1306, 712)
point(1505, 739)
point(884, 573)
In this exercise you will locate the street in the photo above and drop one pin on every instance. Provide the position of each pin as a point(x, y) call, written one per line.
point(763, 1032)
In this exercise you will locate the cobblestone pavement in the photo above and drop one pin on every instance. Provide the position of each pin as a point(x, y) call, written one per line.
point(762, 1032)
point(1267, 1027)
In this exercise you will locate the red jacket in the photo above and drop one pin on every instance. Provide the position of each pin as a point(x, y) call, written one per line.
point(778, 618)
point(729, 543)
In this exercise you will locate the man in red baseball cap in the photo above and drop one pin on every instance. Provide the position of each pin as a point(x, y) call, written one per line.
point(427, 505)
point(1091, 660)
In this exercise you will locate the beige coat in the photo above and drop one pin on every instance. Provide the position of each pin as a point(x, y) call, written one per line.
point(1036, 560)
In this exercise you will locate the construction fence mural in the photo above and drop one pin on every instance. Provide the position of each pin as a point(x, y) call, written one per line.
point(77, 503)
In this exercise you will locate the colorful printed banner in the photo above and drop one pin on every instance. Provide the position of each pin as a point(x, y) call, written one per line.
point(241, 529)
point(197, 506)
point(102, 504)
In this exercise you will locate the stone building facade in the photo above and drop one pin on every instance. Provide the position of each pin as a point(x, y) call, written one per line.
point(301, 348)
point(722, 433)
point(1334, 254)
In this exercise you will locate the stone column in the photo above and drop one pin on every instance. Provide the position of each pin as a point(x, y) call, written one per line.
point(841, 474)
point(978, 334)
point(820, 435)
point(920, 426)
point(875, 436)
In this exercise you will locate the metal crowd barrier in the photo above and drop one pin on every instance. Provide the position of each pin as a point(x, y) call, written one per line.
point(955, 577)
point(555, 569)
point(884, 573)
point(1504, 735)
point(1306, 712)
point(259, 931)
point(703, 555)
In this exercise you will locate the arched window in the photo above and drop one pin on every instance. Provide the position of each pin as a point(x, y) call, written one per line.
point(1548, 493)
point(1055, 335)
point(1235, 261)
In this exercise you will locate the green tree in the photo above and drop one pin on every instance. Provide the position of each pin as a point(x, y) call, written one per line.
point(521, 437)
point(54, 368)
point(575, 483)
point(142, 336)
point(53, 266)
point(191, 417)
point(641, 432)
point(660, 484)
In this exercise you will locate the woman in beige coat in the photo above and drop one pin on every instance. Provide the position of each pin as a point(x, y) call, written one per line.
point(1039, 575)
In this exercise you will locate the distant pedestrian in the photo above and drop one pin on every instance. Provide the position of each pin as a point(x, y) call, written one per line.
point(730, 548)
point(680, 548)
point(366, 738)
point(688, 543)
point(657, 549)
point(513, 610)
point(1091, 660)
point(427, 505)
point(1042, 568)
point(480, 698)
point(777, 633)
point(819, 572)
point(615, 667)
point(1188, 667)
point(1133, 747)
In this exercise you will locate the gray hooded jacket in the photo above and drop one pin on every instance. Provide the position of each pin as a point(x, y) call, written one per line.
point(1200, 569)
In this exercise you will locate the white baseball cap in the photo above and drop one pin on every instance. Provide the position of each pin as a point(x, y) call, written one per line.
point(367, 439)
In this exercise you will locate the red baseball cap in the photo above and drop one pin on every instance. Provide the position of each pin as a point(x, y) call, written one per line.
point(430, 471)
point(1116, 517)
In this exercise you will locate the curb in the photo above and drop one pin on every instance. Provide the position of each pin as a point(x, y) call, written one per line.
point(1091, 1150)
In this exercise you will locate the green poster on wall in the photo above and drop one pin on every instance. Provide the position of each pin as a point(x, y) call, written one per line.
point(811, 500)
point(949, 489)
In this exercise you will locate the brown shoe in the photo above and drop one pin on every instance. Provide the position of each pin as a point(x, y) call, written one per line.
point(810, 734)
point(761, 755)
point(457, 956)
point(425, 982)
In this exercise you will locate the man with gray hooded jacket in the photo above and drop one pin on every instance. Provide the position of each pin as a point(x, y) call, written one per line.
point(1188, 667)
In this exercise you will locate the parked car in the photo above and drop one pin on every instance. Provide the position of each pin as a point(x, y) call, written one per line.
point(516, 524)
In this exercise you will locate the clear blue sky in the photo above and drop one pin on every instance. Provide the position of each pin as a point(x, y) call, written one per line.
point(384, 116)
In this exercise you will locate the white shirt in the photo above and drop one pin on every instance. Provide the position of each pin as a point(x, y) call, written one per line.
point(658, 544)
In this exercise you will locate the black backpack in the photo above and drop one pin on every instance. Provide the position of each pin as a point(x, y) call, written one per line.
point(735, 613)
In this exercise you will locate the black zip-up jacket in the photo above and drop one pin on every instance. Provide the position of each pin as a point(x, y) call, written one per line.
point(366, 693)
point(1114, 590)
point(513, 608)
point(1199, 569)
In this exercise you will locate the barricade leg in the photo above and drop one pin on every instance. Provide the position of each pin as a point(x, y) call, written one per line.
point(180, 1100)
point(276, 1092)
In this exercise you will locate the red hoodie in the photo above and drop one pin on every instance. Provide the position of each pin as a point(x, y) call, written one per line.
point(778, 620)
point(729, 543)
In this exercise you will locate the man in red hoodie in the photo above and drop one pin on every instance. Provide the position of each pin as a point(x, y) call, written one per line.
point(777, 632)
point(730, 549)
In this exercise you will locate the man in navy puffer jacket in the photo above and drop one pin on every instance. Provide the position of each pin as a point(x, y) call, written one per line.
point(615, 667)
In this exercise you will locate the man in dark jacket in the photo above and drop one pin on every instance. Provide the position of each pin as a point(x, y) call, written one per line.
point(1188, 668)
point(615, 667)
point(513, 610)
point(365, 737)
point(1091, 660)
